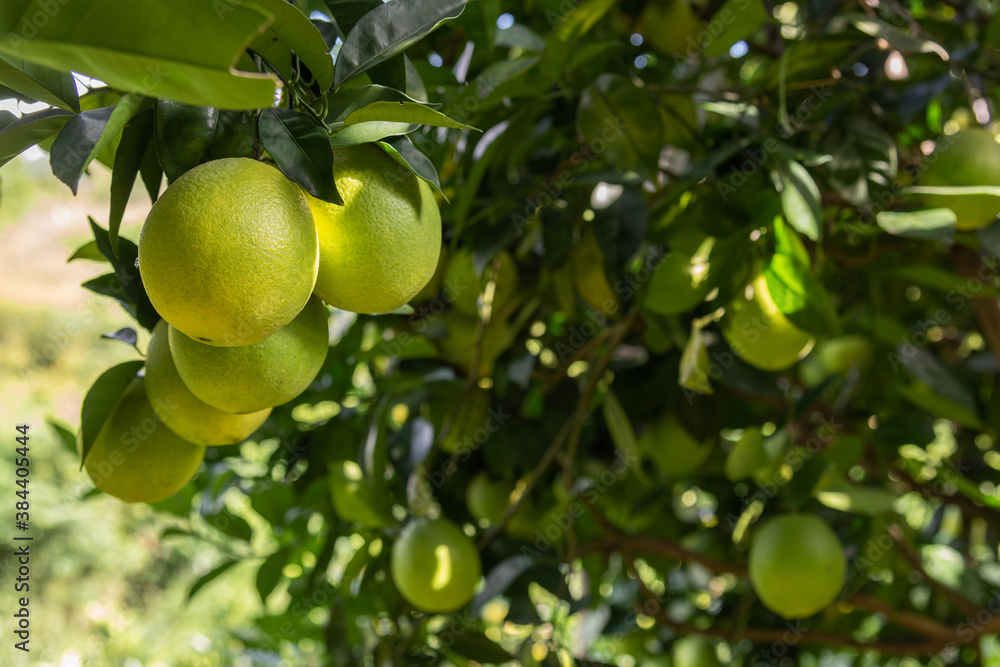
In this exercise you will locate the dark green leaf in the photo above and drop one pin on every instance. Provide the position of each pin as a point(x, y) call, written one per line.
point(206, 579)
point(474, 645)
point(364, 133)
point(292, 31)
point(499, 580)
point(230, 524)
point(182, 50)
point(66, 437)
point(347, 13)
point(345, 102)
point(30, 129)
point(40, 83)
point(403, 112)
point(151, 171)
point(402, 150)
point(125, 335)
point(84, 137)
point(800, 199)
point(187, 136)
point(302, 149)
point(741, 18)
point(100, 400)
point(620, 227)
point(389, 29)
point(125, 284)
point(135, 139)
point(390, 73)
point(581, 19)
point(88, 250)
point(614, 119)
point(269, 573)
point(273, 502)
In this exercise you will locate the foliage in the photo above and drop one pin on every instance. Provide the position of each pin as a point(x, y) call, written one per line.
point(639, 192)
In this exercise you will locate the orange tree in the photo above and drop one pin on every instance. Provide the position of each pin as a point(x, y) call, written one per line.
point(701, 283)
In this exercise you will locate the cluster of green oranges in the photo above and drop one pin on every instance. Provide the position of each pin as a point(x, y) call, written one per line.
point(238, 260)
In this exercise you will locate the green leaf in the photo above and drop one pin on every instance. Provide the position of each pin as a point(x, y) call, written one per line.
point(520, 36)
point(622, 433)
point(66, 437)
point(897, 38)
point(800, 199)
point(622, 119)
point(206, 579)
point(87, 134)
point(864, 158)
point(39, 82)
point(230, 524)
point(403, 112)
point(187, 136)
point(926, 399)
point(273, 502)
point(578, 22)
point(389, 29)
point(302, 149)
point(474, 645)
point(402, 150)
point(363, 133)
point(942, 280)
point(800, 296)
point(741, 18)
point(693, 372)
point(269, 573)
point(347, 13)
point(936, 381)
point(345, 102)
point(292, 31)
point(135, 139)
point(100, 400)
point(499, 579)
point(182, 50)
point(30, 129)
point(151, 171)
point(933, 224)
point(837, 493)
point(125, 284)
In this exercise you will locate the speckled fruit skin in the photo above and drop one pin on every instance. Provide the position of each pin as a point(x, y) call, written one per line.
point(434, 565)
point(796, 565)
point(184, 413)
point(254, 377)
point(381, 247)
point(135, 457)
point(229, 252)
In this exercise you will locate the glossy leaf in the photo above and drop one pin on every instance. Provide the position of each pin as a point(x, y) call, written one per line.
point(30, 129)
point(345, 102)
point(181, 50)
point(87, 134)
point(291, 31)
point(211, 576)
point(101, 398)
point(363, 133)
point(741, 19)
point(932, 223)
point(347, 13)
point(125, 284)
point(269, 573)
point(187, 136)
point(403, 112)
point(402, 150)
point(136, 138)
point(800, 199)
point(389, 29)
point(39, 82)
point(302, 149)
